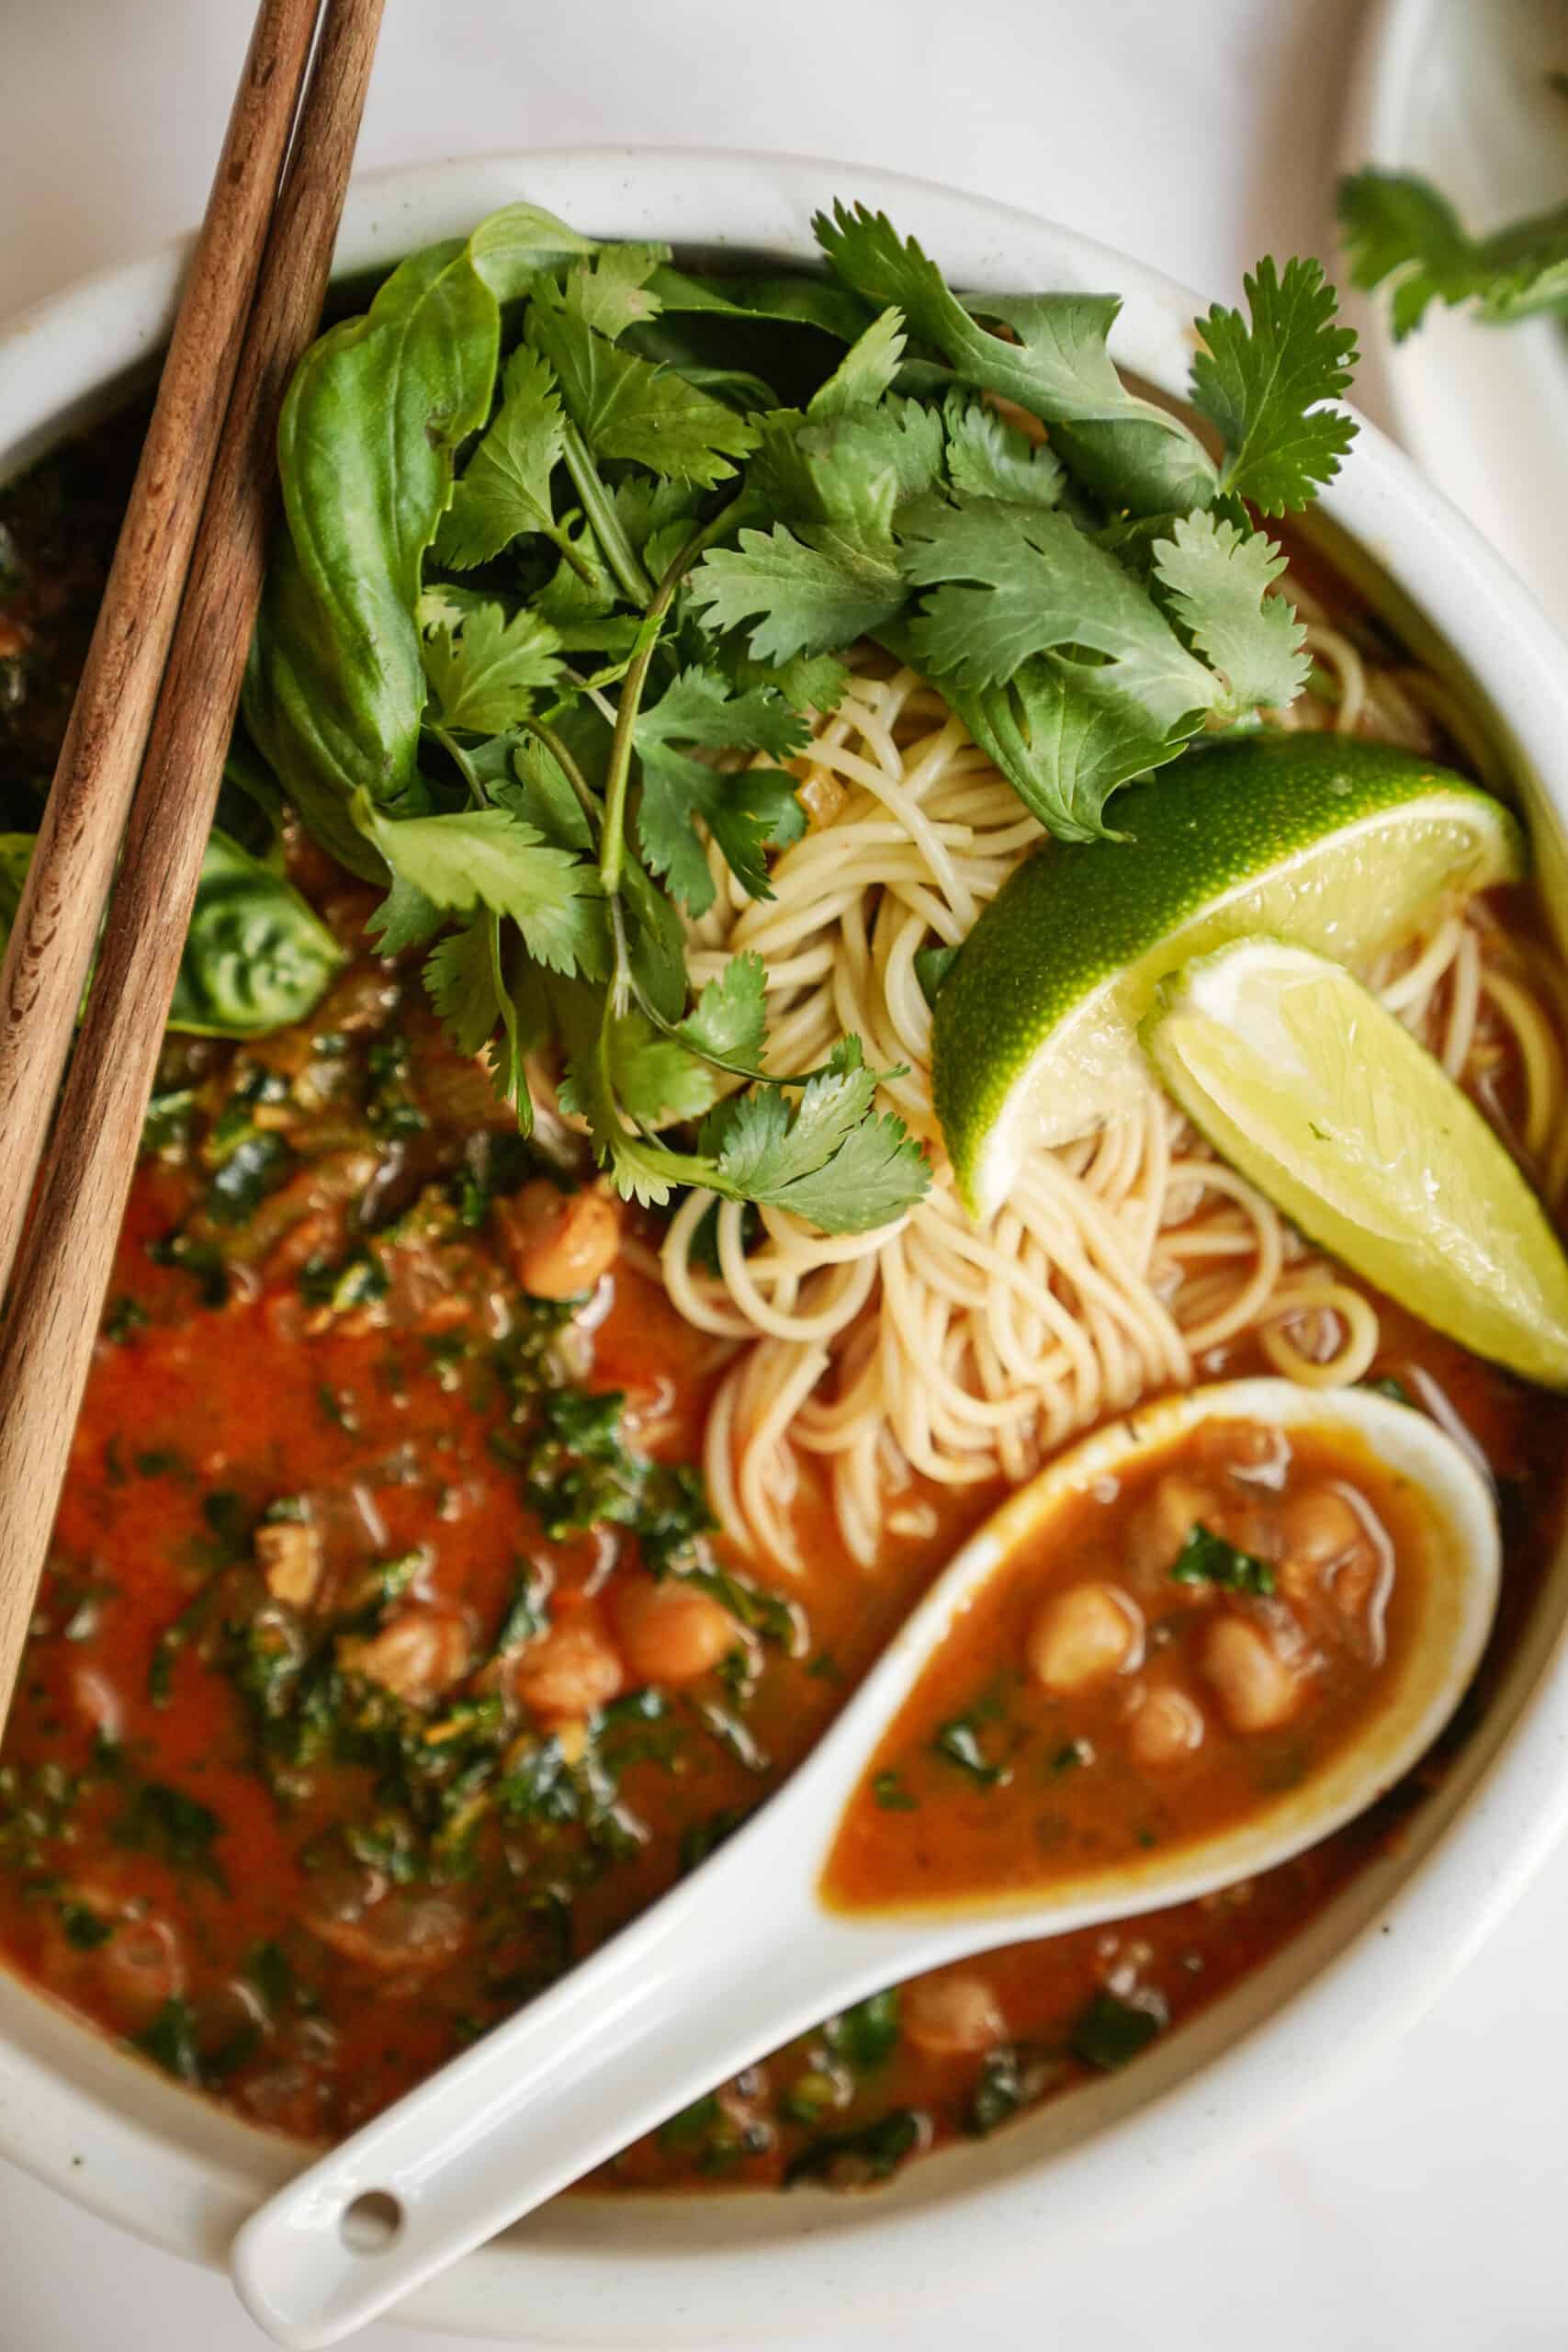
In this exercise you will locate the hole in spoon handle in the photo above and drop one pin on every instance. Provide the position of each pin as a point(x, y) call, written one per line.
point(713, 1978)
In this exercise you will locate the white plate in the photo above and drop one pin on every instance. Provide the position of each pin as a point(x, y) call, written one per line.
point(1456, 90)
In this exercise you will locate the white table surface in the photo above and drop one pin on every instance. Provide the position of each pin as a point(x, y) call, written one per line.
point(1420, 2201)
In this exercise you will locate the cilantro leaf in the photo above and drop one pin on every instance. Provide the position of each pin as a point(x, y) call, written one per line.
point(1063, 749)
point(460, 980)
point(504, 490)
point(405, 917)
point(728, 1023)
point(757, 1141)
point(629, 408)
point(1016, 581)
point(809, 599)
point(990, 458)
point(1400, 228)
point(1218, 579)
point(790, 301)
point(864, 464)
point(832, 1162)
point(807, 681)
point(1059, 367)
point(844, 1170)
point(700, 708)
point(486, 671)
point(866, 371)
point(658, 518)
point(745, 811)
point(656, 1078)
point(538, 792)
point(664, 1075)
point(610, 293)
point(488, 857)
point(878, 1174)
point(1264, 384)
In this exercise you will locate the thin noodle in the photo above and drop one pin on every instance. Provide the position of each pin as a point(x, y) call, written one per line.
point(961, 1353)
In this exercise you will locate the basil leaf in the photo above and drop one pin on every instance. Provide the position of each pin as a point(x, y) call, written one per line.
point(335, 686)
point(256, 957)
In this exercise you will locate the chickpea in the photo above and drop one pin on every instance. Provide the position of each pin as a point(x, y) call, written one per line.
point(1168, 1726)
point(420, 1654)
point(1243, 1448)
point(559, 1243)
point(570, 1670)
point(1256, 1689)
point(671, 1632)
point(1164, 1520)
point(289, 1557)
point(1083, 1636)
point(403, 1934)
point(951, 2017)
point(141, 1967)
point(1318, 1524)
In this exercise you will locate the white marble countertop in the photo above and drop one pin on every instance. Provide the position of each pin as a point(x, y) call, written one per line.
point(1420, 2200)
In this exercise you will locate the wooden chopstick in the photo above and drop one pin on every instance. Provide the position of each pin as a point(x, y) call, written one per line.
point(68, 1250)
point(73, 860)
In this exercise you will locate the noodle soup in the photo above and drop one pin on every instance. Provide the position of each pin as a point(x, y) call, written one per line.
point(453, 1554)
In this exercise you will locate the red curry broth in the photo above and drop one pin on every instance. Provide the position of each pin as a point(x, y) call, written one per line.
point(1168, 1649)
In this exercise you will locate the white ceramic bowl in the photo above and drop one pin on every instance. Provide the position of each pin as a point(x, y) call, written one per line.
point(651, 2273)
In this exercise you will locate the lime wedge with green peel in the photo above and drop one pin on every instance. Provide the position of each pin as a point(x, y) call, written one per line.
point(1344, 846)
point(1329, 1104)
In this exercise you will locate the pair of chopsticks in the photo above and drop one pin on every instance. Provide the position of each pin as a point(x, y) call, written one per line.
point(157, 701)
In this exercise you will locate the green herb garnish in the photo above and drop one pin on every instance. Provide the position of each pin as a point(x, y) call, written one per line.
point(998, 2093)
point(1402, 231)
point(170, 2041)
point(1111, 2030)
point(1207, 1558)
point(83, 1928)
point(608, 569)
point(866, 2035)
point(893, 1793)
point(872, 2151)
point(959, 1741)
point(179, 1829)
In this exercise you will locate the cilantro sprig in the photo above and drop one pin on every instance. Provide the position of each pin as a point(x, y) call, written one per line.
point(577, 542)
point(1401, 231)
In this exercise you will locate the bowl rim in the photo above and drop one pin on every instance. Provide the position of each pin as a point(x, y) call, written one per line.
point(163, 2164)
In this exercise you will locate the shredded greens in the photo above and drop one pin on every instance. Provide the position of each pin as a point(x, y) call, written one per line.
point(575, 543)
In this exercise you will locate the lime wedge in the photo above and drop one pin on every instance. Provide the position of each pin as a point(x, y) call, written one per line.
point(1326, 1103)
point(1340, 845)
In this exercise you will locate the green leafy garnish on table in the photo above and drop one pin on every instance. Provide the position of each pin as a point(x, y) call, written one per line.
point(1402, 231)
point(560, 586)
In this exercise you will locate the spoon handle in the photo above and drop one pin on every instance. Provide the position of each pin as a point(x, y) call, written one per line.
point(723, 1970)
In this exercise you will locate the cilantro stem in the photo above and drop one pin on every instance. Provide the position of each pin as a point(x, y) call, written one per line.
point(597, 505)
point(613, 850)
point(558, 751)
point(571, 555)
point(464, 766)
